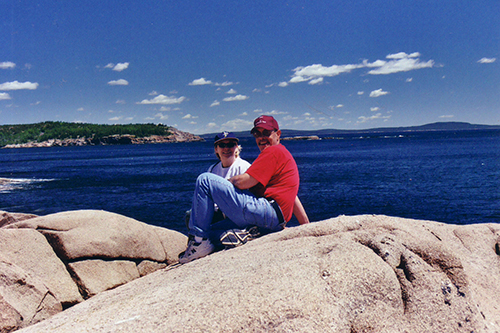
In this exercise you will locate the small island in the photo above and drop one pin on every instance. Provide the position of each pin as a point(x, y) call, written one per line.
point(63, 134)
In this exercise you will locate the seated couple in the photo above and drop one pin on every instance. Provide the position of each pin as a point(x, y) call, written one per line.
point(262, 195)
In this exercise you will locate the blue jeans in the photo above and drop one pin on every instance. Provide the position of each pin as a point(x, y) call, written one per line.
point(241, 208)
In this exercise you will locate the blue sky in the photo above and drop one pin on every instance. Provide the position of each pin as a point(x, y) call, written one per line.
point(207, 66)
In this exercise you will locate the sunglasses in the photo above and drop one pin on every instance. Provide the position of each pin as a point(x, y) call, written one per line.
point(227, 145)
point(265, 133)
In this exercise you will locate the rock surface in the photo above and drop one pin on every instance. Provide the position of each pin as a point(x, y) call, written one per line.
point(347, 274)
point(99, 234)
point(9, 218)
point(96, 276)
point(82, 254)
point(29, 250)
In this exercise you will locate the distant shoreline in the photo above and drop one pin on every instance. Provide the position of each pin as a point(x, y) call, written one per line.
point(118, 139)
point(177, 136)
point(332, 133)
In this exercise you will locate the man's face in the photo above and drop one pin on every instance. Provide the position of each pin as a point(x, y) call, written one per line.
point(266, 138)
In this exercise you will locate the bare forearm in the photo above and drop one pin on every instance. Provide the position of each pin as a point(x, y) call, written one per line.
point(243, 181)
point(300, 212)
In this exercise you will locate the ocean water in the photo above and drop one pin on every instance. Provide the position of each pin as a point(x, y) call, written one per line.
point(446, 177)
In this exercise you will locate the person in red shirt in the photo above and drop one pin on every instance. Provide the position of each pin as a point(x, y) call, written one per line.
point(264, 196)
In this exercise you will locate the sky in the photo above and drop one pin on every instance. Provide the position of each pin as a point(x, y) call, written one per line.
point(211, 66)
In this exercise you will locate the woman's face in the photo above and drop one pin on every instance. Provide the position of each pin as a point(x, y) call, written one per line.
point(226, 148)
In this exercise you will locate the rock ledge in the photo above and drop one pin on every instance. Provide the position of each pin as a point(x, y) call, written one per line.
point(346, 274)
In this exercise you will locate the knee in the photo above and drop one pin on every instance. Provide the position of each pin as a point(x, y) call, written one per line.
point(203, 179)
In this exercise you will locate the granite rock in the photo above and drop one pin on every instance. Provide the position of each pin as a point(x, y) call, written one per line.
point(82, 254)
point(29, 250)
point(100, 234)
point(96, 276)
point(347, 274)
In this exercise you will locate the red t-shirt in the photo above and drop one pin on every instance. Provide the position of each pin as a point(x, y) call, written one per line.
point(276, 171)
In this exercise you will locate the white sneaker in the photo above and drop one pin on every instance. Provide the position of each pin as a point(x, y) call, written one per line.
point(197, 247)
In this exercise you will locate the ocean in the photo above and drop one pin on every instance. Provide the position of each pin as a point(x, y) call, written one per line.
point(450, 177)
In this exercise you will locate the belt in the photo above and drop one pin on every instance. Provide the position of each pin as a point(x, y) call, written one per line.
point(277, 208)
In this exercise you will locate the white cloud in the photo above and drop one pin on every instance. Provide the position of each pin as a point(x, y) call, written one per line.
point(487, 60)
point(121, 66)
point(409, 79)
point(361, 92)
point(340, 105)
point(363, 119)
point(283, 84)
point(374, 109)
point(115, 118)
point(378, 93)
point(400, 62)
point(153, 93)
point(4, 96)
point(237, 125)
point(235, 98)
point(215, 103)
point(161, 116)
point(7, 65)
point(231, 91)
point(446, 116)
point(120, 101)
point(200, 82)
point(15, 85)
point(189, 116)
point(110, 65)
point(276, 112)
point(224, 84)
point(402, 55)
point(165, 108)
point(162, 99)
point(120, 82)
point(316, 81)
point(317, 71)
point(80, 109)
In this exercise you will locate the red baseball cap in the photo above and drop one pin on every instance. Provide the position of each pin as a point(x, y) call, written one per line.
point(266, 122)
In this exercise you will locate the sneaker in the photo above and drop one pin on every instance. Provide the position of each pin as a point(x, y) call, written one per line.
point(236, 237)
point(197, 248)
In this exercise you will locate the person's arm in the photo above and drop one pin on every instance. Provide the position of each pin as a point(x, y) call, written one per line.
point(300, 212)
point(243, 181)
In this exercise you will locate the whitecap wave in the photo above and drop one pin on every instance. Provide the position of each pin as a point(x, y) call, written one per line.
point(11, 184)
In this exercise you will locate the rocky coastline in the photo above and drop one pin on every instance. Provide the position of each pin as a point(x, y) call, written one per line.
point(301, 138)
point(95, 271)
point(118, 139)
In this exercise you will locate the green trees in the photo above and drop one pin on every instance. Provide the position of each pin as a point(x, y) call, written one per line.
point(13, 134)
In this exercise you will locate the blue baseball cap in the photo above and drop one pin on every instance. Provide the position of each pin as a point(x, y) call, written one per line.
point(225, 136)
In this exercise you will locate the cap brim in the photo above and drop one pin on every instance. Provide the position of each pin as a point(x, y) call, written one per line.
point(267, 127)
point(235, 139)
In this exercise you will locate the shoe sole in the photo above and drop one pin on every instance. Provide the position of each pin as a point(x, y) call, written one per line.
point(233, 238)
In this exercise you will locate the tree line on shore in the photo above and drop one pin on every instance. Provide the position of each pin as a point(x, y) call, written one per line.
point(16, 134)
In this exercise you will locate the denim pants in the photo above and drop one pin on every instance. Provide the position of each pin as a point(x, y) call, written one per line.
point(241, 208)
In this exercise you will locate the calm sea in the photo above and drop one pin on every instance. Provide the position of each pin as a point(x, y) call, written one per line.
point(446, 177)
